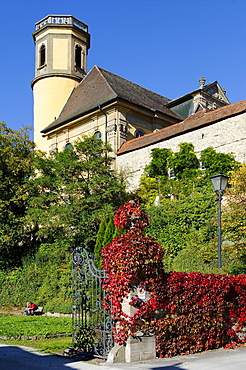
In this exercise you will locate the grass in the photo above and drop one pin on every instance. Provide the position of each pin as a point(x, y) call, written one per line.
point(14, 328)
point(50, 346)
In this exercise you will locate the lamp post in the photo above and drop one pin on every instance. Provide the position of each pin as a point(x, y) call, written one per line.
point(219, 183)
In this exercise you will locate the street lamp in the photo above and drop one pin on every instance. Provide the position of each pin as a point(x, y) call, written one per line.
point(219, 183)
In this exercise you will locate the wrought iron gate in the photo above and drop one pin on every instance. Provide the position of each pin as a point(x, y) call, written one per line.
point(92, 324)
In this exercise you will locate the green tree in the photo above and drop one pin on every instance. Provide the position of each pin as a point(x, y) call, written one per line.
point(160, 163)
point(110, 231)
point(234, 223)
point(70, 192)
point(105, 235)
point(180, 224)
point(185, 162)
point(218, 162)
point(15, 166)
point(187, 178)
point(99, 242)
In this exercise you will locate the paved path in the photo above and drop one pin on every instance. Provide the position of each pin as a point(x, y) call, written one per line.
point(23, 358)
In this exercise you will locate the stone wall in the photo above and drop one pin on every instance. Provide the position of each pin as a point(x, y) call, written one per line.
point(225, 136)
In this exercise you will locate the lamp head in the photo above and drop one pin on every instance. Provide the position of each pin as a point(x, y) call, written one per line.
point(219, 183)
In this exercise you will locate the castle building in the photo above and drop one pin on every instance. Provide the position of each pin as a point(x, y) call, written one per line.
point(68, 103)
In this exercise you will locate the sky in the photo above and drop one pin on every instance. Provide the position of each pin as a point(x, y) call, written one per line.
point(163, 45)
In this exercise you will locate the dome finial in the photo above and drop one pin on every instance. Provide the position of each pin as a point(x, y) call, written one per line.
point(202, 82)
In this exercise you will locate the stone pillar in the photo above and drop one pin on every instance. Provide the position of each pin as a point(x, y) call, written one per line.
point(138, 348)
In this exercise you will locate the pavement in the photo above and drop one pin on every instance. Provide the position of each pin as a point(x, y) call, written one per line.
point(23, 358)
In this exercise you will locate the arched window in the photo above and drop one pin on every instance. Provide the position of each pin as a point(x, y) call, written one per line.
point(42, 56)
point(68, 145)
point(98, 135)
point(139, 133)
point(78, 51)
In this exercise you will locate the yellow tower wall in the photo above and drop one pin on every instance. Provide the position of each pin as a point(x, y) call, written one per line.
point(50, 96)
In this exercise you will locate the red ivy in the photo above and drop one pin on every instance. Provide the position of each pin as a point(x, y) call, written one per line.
point(130, 216)
point(187, 312)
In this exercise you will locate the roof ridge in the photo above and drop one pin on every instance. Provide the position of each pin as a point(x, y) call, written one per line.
point(133, 83)
point(99, 70)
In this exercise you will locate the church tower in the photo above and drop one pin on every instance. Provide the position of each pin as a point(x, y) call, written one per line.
point(62, 44)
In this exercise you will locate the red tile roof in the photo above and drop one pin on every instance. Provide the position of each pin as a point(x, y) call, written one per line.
point(193, 122)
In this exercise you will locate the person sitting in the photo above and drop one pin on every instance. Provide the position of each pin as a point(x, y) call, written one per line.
point(30, 308)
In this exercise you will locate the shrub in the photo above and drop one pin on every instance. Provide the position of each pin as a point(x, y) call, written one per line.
point(196, 311)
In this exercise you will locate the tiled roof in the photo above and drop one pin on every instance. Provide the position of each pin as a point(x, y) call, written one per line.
point(100, 86)
point(193, 122)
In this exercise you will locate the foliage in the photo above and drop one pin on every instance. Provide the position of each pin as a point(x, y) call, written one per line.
point(180, 224)
point(160, 162)
point(130, 260)
point(196, 312)
point(178, 175)
point(43, 280)
point(185, 162)
point(217, 162)
point(185, 222)
point(198, 256)
point(15, 166)
point(234, 221)
point(99, 242)
point(105, 235)
point(68, 195)
point(200, 312)
point(110, 231)
point(71, 190)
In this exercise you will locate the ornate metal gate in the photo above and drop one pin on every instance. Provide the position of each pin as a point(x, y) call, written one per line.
point(92, 324)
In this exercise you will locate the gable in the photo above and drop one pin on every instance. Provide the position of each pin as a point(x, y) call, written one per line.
point(100, 87)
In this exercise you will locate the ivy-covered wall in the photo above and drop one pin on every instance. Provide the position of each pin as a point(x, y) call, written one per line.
point(187, 312)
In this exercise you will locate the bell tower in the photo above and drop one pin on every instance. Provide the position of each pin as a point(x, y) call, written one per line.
point(62, 44)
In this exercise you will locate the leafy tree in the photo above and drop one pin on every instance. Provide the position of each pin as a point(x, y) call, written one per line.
point(185, 162)
point(160, 162)
point(15, 166)
point(218, 162)
point(234, 222)
point(71, 190)
point(109, 232)
point(179, 224)
point(189, 179)
point(99, 242)
point(105, 235)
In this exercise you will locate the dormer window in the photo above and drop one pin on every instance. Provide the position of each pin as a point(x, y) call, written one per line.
point(139, 133)
point(42, 56)
point(78, 52)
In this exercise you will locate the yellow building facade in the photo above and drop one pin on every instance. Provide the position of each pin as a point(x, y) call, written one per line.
point(69, 102)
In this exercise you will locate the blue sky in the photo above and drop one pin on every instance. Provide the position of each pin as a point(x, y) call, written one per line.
point(162, 45)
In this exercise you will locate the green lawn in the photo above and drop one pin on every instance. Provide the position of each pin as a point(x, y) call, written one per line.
point(16, 326)
point(12, 326)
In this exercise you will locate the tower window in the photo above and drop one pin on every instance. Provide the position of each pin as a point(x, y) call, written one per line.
point(78, 51)
point(42, 56)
